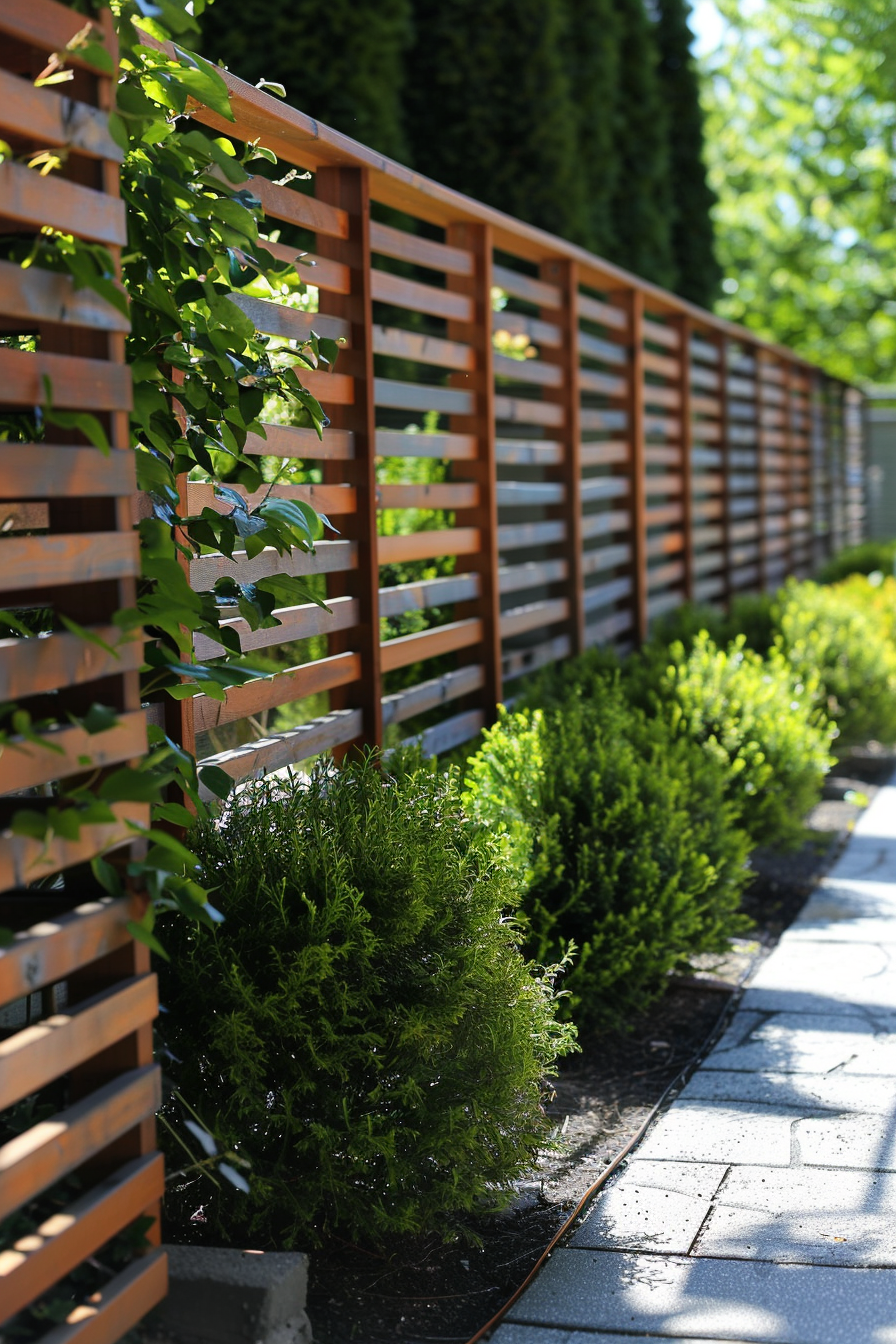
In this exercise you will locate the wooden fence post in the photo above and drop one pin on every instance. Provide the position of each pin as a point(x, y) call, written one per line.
point(348, 188)
point(725, 450)
point(633, 303)
point(761, 468)
point(687, 474)
point(565, 275)
point(477, 239)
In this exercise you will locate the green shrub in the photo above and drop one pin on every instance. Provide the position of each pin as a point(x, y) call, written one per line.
point(843, 635)
point(362, 1027)
point(625, 840)
point(760, 723)
point(867, 558)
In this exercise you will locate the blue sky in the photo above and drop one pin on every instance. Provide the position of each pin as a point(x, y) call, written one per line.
point(706, 25)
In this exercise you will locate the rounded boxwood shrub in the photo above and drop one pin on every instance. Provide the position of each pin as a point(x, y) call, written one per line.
point(362, 1027)
point(760, 722)
point(866, 558)
point(843, 636)
point(626, 842)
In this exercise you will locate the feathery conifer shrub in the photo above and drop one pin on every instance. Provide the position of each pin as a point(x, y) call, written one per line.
point(362, 1027)
point(626, 841)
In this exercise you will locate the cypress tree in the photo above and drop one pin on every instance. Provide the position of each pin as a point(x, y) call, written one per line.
point(692, 231)
point(488, 108)
point(592, 62)
point(341, 62)
point(642, 198)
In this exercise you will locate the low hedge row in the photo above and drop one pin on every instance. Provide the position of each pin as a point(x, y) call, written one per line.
point(372, 1025)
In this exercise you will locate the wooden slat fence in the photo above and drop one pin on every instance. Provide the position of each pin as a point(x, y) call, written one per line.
point(77, 998)
point(531, 452)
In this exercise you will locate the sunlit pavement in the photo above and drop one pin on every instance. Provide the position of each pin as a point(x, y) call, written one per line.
point(761, 1206)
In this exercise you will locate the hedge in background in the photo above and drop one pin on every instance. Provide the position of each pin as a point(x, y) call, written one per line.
point(866, 558)
point(628, 845)
point(362, 1028)
point(758, 718)
point(843, 634)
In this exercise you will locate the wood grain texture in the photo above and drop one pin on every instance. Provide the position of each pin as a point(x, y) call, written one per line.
point(118, 1306)
point(23, 860)
point(420, 298)
point(294, 684)
point(431, 643)
point(51, 471)
point(279, 750)
point(34, 202)
point(34, 295)
point(32, 1161)
point(52, 948)
point(53, 561)
point(66, 751)
point(35, 666)
point(82, 384)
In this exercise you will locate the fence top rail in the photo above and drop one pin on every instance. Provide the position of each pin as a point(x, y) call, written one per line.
point(310, 144)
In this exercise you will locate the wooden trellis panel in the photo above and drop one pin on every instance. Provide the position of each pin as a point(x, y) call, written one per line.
point(77, 999)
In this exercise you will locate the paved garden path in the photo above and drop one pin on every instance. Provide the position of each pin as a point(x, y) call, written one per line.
point(762, 1205)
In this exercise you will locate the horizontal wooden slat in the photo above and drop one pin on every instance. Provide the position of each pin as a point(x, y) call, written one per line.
point(518, 662)
point(662, 364)
point(603, 454)
point(517, 536)
point(666, 484)
point(423, 349)
point(603, 383)
point(528, 452)
point(23, 860)
point(425, 545)
point(91, 384)
point(60, 559)
point(337, 445)
point(328, 499)
point(294, 684)
point(402, 293)
point(665, 513)
point(32, 1161)
point(50, 471)
point(660, 576)
point(65, 751)
point(606, 557)
point(452, 447)
point(603, 594)
point(34, 295)
point(460, 495)
point(533, 616)
point(318, 271)
point(51, 949)
point(590, 419)
point(429, 593)
point(389, 242)
point(39, 1260)
point(295, 623)
point(294, 207)
point(518, 410)
point(35, 202)
point(118, 1306)
point(407, 649)
point(531, 574)
point(279, 750)
point(430, 694)
point(604, 313)
point(596, 488)
point(594, 347)
point(34, 666)
point(664, 455)
point(539, 333)
point(531, 371)
point(602, 524)
point(668, 397)
point(44, 24)
point(660, 335)
point(328, 557)
point(522, 494)
point(452, 733)
point(275, 319)
point(607, 628)
point(33, 1057)
point(422, 397)
point(526, 288)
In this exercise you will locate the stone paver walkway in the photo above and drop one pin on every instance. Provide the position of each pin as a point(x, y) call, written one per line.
point(762, 1205)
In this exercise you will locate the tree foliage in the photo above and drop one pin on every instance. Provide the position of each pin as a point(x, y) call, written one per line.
point(800, 141)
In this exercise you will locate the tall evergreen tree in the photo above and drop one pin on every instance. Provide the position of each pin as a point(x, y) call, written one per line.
point(488, 108)
point(642, 198)
point(592, 62)
point(341, 62)
point(692, 232)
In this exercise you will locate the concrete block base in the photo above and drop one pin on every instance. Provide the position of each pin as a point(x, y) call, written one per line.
point(218, 1296)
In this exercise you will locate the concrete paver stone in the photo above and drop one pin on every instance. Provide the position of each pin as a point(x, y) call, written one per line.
point(539, 1334)
point(802, 1094)
point(705, 1131)
point(678, 1297)
point(803, 1043)
point(652, 1206)
point(803, 1216)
